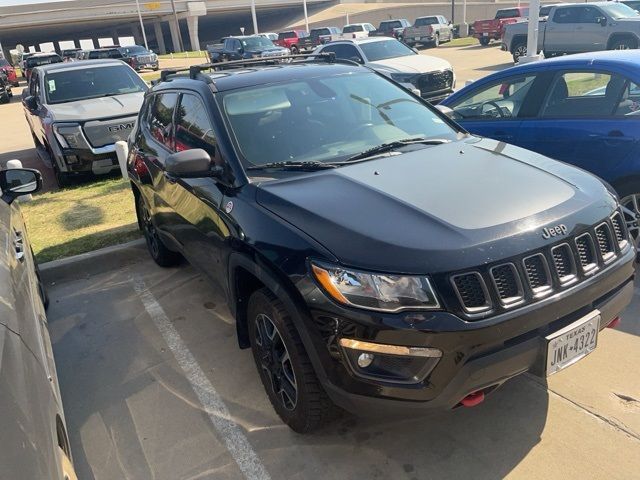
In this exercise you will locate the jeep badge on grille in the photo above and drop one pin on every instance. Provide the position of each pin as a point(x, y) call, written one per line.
point(554, 231)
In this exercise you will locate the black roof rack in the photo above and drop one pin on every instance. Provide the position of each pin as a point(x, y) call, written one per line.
point(195, 70)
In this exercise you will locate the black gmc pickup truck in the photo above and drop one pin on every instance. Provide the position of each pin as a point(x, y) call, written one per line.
point(374, 254)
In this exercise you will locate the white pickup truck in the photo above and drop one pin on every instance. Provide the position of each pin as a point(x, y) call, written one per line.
point(577, 28)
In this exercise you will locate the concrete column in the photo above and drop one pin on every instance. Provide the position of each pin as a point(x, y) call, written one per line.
point(194, 38)
point(96, 41)
point(136, 33)
point(157, 28)
point(175, 35)
point(76, 43)
point(115, 37)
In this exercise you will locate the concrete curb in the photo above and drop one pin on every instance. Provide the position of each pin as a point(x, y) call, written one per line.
point(93, 263)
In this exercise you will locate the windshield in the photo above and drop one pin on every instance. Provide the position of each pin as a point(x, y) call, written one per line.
point(94, 82)
point(353, 28)
point(251, 43)
point(326, 119)
point(37, 61)
point(375, 51)
point(618, 10)
point(135, 50)
point(426, 21)
point(94, 54)
point(510, 13)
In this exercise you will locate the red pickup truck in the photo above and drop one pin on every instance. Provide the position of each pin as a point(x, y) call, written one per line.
point(487, 30)
point(295, 40)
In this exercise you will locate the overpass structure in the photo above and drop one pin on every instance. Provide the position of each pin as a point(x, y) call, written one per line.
point(75, 20)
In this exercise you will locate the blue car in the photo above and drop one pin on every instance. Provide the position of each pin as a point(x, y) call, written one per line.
point(581, 109)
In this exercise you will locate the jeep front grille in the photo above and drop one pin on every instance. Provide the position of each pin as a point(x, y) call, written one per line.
point(527, 279)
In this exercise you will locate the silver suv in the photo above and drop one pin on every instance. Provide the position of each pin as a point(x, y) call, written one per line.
point(77, 111)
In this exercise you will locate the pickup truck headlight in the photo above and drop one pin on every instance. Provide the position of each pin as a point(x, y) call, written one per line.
point(403, 77)
point(70, 135)
point(375, 291)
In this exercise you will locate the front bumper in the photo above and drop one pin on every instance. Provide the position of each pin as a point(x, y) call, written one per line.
point(479, 355)
point(98, 161)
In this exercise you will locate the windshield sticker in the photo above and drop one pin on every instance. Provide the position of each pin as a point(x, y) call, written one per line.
point(52, 85)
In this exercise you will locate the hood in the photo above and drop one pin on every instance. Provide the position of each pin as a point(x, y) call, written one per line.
point(126, 105)
point(438, 209)
point(275, 48)
point(412, 64)
point(629, 20)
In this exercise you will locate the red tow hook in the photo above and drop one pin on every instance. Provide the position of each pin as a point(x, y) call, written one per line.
point(473, 399)
point(614, 323)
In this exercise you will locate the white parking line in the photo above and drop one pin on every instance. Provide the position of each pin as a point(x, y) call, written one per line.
point(236, 442)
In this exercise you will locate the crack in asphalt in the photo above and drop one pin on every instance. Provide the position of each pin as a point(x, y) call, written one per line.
point(612, 422)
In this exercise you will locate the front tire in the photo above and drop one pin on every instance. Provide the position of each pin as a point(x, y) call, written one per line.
point(623, 43)
point(157, 249)
point(519, 50)
point(484, 41)
point(436, 41)
point(62, 179)
point(294, 50)
point(284, 366)
point(631, 213)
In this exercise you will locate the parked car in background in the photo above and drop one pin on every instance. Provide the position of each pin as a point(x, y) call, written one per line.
point(576, 28)
point(431, 77)
point(391, 28)
point(244, 47)
point(139, 58)
point(35, 444)
point(7, 69)
point(38, 59)
point(372, 253)
point(295, 40)
point(322, 35)
point(69, 54)
point(77, 111)
point(5, 89)
point(112, 52)
point(582, 109)
point(354, 30)
point(635, 4)
point(487, 30)
point(429, 30)
point(270, 35)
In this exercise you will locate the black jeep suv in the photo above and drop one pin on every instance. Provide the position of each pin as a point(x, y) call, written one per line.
point(373, 253)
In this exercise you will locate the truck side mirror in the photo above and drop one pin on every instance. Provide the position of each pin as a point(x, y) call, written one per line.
point(31, 103)
point(602, 21)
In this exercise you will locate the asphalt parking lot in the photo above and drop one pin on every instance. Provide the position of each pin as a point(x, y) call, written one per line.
point(154, 386)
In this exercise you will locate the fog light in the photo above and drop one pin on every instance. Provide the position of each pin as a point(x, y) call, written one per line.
point(364, 360)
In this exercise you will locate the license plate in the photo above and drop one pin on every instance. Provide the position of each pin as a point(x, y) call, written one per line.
point(565, 347)
point(485, 34)
point(417, 38)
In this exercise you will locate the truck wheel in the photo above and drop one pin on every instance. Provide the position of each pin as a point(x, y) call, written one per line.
point(284, 366)
point(157, 249)
point(294, 50)
point(519, 50)
point(484, 41)
point(623, 43)
point(436, 41)
point(62, 179)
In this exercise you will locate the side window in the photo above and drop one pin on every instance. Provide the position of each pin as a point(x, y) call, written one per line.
point(32, 83)
point(567, 15)
point(590, 15)
point(586, 94)
point(160, 119)
point(496, 101)
point(193, 127)
point(344, 51)
point(629, 105)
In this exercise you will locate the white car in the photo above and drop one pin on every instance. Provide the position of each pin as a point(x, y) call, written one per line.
point(433, 77)
point(354, 30)
point(270, 35)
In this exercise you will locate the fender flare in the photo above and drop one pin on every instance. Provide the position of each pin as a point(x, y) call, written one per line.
point(294, 306)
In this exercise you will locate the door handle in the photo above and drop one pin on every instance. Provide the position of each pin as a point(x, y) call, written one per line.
point(18, 245)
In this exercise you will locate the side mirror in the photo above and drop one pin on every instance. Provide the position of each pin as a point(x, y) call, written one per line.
point(31, 103)
point(446, 110)
point(19, 181)
point(356, 59)
point(195, 163)
point(240, 50)
point(25, 93)
point(602, 21)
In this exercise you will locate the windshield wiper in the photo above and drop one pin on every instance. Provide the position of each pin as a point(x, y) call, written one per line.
point(293, 165)
point(390, 146)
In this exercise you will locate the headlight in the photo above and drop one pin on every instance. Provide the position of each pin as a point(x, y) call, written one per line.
point(403, 77)
point(70, 135)
point(376, 291)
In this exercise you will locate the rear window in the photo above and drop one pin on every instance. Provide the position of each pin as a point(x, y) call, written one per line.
point(81, 84)
point(352, 28)
point(283, 35)
point(508, 13)
point(390, 25)
point(426, 21)
point(37, 61)
point(316, 32)
point(96, 54)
